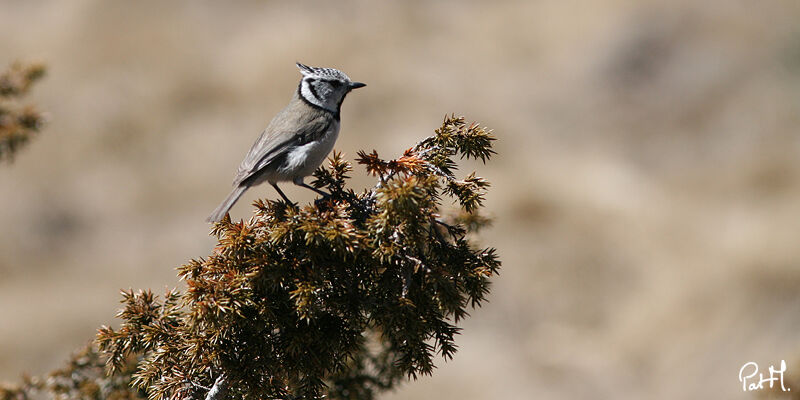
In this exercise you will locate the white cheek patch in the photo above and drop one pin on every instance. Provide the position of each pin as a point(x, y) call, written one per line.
point(310, 94)
point(321, 94)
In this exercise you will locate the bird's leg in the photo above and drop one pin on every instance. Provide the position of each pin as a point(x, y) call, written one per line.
point(299, 182)
point(275, 185)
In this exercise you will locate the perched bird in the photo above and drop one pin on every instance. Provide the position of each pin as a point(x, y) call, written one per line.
point(298, 139)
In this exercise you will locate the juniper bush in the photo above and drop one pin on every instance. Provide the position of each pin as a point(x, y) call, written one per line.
point(343, 298)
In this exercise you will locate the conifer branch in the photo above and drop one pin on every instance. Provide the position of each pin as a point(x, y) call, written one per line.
point(18, 123)
point(343, 298)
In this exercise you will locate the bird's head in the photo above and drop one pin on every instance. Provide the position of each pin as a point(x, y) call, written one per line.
point(325, 87)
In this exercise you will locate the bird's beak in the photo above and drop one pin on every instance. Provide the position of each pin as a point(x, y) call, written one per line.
point(356, 85)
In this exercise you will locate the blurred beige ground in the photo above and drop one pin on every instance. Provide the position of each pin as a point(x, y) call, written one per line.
point(646, 194)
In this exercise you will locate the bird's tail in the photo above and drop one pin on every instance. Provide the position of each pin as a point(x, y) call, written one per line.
point(226, 204)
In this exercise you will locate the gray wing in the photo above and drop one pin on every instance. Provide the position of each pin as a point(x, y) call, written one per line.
point(295, 125)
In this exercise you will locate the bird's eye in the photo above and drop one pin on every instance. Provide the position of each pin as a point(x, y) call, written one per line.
point(335, 84)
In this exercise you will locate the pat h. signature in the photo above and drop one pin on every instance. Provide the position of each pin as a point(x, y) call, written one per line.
point(749, 370)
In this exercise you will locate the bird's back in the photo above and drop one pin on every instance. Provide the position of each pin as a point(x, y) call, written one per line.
point(297, 124)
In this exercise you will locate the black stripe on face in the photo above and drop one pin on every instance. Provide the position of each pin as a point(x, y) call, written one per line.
point(333, 82)
point(313, 91)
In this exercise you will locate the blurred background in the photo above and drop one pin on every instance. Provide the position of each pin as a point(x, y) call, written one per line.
point(646, 192)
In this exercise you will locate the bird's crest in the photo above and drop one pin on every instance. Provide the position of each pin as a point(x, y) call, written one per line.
point(323, 73)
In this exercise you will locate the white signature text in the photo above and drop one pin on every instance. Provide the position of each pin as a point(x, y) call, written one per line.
point(750, 369)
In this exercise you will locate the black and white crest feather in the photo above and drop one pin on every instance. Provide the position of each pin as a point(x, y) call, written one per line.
point(323, 73)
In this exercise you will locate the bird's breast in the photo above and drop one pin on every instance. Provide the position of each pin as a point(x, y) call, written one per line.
point(304, 159)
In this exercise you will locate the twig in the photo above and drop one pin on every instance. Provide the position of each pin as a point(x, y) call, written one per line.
point(450, 228)
point(217, 391)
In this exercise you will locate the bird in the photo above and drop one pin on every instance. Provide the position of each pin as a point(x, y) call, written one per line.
point(298, 138)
